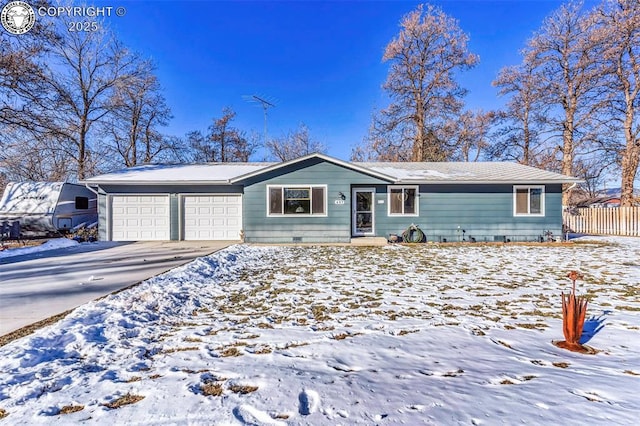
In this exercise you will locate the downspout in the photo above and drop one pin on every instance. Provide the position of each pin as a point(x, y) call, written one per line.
point(573, 185)
point(96, 191)
point(91, 189)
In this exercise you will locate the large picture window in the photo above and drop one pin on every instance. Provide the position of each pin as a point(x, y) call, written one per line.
point(403, 201)
point(297, 200)
point(528, 200)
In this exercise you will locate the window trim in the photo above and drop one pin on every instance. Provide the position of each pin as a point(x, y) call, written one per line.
point(310, 187)
point(403, 187)
point(529, 188)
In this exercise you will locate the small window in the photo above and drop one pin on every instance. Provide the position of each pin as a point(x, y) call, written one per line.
point(82, 203)
point(297, 200)
point(528, 200)
point(403, 201)
point(275, 200)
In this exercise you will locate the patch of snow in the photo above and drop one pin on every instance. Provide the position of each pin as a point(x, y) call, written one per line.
point(214, 172)
point(344, 335)
point(53, 244)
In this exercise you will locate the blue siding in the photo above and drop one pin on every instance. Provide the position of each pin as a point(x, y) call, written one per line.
point(335, 227)
point(485, 212)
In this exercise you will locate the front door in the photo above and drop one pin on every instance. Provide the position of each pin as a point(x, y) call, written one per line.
point(363, 211)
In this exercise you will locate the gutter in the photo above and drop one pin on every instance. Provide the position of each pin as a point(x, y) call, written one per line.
point(158, 182)
point(485, 182)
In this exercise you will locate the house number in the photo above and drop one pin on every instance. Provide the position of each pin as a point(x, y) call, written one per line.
point(339, 201)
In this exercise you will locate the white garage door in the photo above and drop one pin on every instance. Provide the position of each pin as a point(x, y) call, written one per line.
point(212, 217)
point(140, 217)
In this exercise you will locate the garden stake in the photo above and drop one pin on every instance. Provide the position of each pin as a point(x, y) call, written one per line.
point(574, 310)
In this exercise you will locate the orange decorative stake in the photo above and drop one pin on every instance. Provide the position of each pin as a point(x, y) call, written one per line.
point(574, 310)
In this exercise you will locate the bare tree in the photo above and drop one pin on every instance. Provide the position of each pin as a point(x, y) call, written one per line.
point(294, 145)
point(223, 143)
point(85, 69)
point(619, 31)
point(564, 56)
point(201, 149)
point(521, 133)
point(22, 59)
point(138, 110)
point(25, 157)
point(469, 135)
point(424, 59)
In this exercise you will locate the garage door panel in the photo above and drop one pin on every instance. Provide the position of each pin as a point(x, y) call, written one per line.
point(140, 217)
point(212, 217)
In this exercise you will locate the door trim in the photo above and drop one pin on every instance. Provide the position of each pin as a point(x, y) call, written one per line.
point(354, 231)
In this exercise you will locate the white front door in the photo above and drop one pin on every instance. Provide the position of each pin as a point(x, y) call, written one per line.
point(362, 207)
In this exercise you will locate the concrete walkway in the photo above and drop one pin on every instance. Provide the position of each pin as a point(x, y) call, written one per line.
point(37, 286)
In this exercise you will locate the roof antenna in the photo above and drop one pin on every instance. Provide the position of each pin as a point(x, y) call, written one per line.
point(265, 106)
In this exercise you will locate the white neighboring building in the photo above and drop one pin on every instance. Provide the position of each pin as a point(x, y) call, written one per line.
point(44, 208)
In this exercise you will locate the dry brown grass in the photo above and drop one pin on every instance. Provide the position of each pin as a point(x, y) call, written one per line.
point(134, 379)
point(3, 413)
point(68, 409)
point(124, 400)
point(185, 349)
point(211, 389)
point(342, 336)
point(242, 389)
point(262, 350)
point(456, 373)
point(561, 364)
point(264, 325)
point(280, 416)
point(232, 351)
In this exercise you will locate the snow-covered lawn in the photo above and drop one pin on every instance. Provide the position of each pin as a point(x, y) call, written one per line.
point(56, 243)
point(344, 335)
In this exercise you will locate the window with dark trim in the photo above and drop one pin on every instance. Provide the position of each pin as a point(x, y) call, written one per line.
point(297, 200)
point(403, 201)
point(528, 200)
point(82, 203)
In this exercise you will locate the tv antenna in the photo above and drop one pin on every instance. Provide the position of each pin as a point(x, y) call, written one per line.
point(265, 107)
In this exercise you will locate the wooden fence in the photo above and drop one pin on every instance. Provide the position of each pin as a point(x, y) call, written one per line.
point(623, 221)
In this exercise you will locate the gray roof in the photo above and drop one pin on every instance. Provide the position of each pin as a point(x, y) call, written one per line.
point(467, 172)
point(434, 173)
point(178, 174)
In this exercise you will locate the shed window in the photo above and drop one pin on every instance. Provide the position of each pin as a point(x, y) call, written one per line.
point(82, 203)
point(528, 200)
point(403, 201)
point(297, 200)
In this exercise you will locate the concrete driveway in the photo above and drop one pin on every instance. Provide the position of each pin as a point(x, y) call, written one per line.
point(37, 286)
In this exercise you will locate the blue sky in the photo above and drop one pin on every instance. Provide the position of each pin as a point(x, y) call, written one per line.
point(320, 62)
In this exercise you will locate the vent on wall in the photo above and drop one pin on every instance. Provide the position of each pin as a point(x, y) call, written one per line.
point(296, 239)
